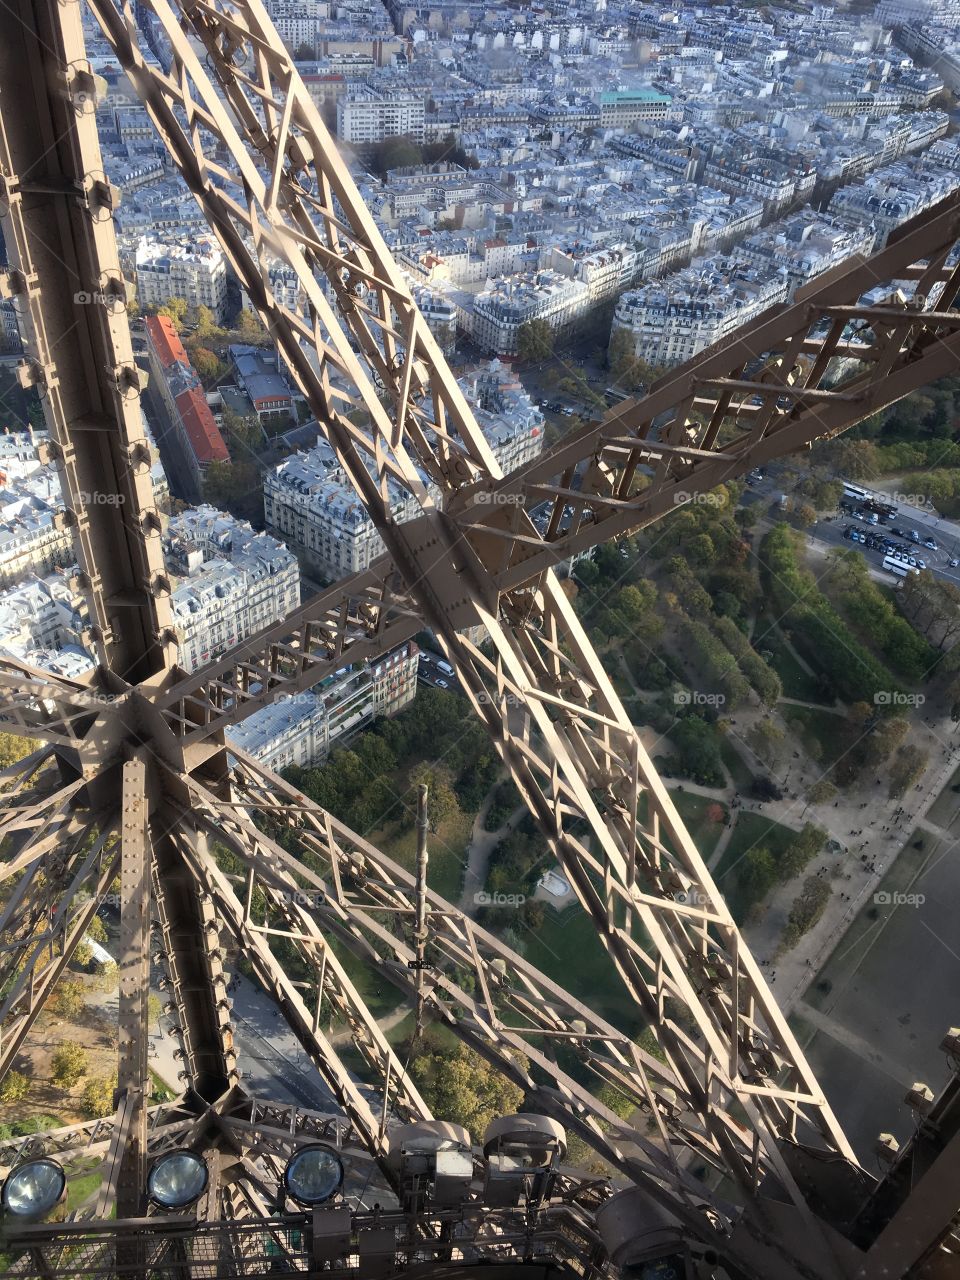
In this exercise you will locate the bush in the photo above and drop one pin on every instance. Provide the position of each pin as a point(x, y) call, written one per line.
point(96, 1100)
point(69, 1065)
point(14, 1087)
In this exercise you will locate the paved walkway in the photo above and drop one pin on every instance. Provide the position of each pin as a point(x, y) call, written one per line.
point(481, 846)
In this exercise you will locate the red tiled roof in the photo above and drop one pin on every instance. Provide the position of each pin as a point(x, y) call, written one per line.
point(166, 343)
point(203, 433)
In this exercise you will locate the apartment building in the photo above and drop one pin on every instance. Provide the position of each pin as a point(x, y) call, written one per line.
point(367, 116)
point(497, 312)
point(310, 504)
point(671, 320)
point(235, 583)
point(192, 269)
point(302, 729)
point(179, 387)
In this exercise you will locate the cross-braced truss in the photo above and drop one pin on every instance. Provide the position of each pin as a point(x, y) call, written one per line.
point(135, 782)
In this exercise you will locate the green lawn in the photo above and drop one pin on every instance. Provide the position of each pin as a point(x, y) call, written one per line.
point(797, 682)
point(946, 807)
point(568, 950)
point(448, 848)
point(693, 810)
point(737, 767)
point(752, 830)
point(817, 730)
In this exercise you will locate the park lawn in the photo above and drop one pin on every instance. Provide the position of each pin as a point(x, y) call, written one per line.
point(567, 949)
point(796, 681)
point(447, 847)
point(817, 730)
point(693, 810)
point(738, 769)
point(752, 830)
point(946, 807)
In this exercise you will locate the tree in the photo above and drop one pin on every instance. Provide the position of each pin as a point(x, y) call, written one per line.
point(96, 1100)
point(304, 52)
point(207, 329)
point(808, 907)
point(628, 370)
point(395, 153)
point(14, 1087)
point(906, 768)
point(175, 309)
point(68, 999)
point(821, 792)
point(757, 873)
point(13, 748)
point(69, 1065)
point(207, 364)
point(805, 515)
point(801, 850)
point(534, 340)
point(97, 930)
point(82, 954)
point(251, 330)
point(441, 801)
point(766, 741)
point(461, 1087)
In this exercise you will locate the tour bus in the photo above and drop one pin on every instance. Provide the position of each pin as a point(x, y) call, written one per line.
point(897, 567)
point(853, 493)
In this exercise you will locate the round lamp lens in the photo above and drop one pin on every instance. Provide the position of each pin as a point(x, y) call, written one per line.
point(313, 1175)
point(34, 1188)
point(177, 1179)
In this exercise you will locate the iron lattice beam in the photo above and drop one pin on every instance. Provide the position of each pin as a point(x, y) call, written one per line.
point(283, 192)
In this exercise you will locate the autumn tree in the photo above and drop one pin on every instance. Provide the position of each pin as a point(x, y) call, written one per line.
point(69, 1065)
point(67, 1000)
point(808, 906)
point(460, 1087)
point(14, 1087)
point(207, 364)
point(534, 340)
point(906, 768)
point(13, 748)
point(96, 1099)
point(175, 309)
point(821, 792)
point(766, 739)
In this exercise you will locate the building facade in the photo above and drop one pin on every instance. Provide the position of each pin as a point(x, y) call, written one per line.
point(302, 729)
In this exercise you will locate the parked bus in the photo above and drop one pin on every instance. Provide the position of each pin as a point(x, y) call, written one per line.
point(855, 496)
point(897, 567)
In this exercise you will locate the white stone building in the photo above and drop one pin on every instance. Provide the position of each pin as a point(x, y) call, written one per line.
point(192, 269)
point(236, 582)
point(302, 729)
point(671, 320)
point(498, 311)
point(367, 116)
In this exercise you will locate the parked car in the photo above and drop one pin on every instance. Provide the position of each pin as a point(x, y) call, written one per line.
point(930, 544)
point(921, 564)
point(913, 535)
point(954, 564)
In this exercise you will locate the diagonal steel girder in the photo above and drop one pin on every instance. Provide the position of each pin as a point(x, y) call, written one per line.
point(726, 422)
point(56, 205)
point(577, 759)
point(541, 657)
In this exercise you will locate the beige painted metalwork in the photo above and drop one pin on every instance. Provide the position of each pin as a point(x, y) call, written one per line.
point(730, 1086)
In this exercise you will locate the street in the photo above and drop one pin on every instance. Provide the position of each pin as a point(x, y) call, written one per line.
point(830, 529)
